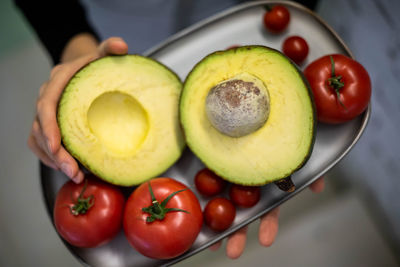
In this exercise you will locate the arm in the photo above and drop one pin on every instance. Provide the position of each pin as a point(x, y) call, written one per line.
point(60, 24)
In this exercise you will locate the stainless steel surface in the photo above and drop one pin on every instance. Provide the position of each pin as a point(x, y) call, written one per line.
point(242, 26)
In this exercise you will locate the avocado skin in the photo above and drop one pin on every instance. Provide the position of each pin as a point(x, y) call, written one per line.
point(314, 110)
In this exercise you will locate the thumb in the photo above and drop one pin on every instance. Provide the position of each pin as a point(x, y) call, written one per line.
point(113, 46)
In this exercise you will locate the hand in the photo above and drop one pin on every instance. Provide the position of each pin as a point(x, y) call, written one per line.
point(45, 139)
point(268, 229)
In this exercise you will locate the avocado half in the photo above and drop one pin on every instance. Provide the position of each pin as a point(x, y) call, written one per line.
point(118, 116)
point(248, 115)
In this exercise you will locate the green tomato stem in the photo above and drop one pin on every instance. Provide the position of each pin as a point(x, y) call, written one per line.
point(82, 205)
point(158, 211)
point(335, 82)
point(286, 184)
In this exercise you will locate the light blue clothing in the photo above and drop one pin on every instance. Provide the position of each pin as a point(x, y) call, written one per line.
point(145, 23)
point(371, 29)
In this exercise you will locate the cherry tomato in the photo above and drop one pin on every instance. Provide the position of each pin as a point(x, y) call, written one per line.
point(277, 19)
point(296, 48)
point(244, 196)
point(341, 87)
point(219, 214)
point(162, 221)
point(208, 183)
point(88, 214)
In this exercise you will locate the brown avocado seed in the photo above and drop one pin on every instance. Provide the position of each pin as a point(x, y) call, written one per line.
point(238, 106)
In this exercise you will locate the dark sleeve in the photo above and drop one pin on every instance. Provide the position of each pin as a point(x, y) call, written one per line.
point(311, 4)
point(56, 22)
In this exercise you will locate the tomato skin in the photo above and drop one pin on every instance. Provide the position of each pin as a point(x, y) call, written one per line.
point(173, 235)
point(277, 19)
point(296, 48)
point(219, 214)
point(244, 196)
point(101, 222)
point(354, 96)
point(208, 183)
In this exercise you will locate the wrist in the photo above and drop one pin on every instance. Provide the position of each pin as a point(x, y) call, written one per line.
point(79, 45)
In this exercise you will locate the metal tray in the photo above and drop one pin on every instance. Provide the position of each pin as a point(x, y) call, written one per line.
point(240, 25)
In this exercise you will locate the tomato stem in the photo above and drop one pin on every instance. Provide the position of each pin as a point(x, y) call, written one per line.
point(335, 82)
point(82, 205)
point(158, 210)
point(286, 184)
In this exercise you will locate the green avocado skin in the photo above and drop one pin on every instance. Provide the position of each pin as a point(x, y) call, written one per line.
point(314, 110)
point(206, 160)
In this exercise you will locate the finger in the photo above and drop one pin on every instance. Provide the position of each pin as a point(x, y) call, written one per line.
point(68, 165)
point(55, 69)
point(79, 177)
point(48, 127)
point(61, 75)
point(46, 105)
point(268, 228)
point(42, 88)
point(216, 246)
point(35, 148)
point(40, 141)
point(318, 186)
point(113, 46)
point(60, 160)
point(236, 243)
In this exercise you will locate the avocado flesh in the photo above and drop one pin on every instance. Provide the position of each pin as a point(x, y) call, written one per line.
point(274, 151)
point(118, 116)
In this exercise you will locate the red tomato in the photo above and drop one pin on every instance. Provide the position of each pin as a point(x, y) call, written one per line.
point(244, 196)
point(341, 88)
point(219, 214)
point(175, 224)
point(277, 19)
point(208, 183)
point(296, 48)
point(88, 214)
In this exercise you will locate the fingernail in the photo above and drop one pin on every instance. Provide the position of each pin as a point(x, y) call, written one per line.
point(49, 146)
point(66, 169)
point(78, 178)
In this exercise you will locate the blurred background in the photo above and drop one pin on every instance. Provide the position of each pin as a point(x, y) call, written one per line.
point(355, 222)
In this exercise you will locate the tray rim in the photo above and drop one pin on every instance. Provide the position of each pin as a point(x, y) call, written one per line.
point(221, 15)
point(365, 116)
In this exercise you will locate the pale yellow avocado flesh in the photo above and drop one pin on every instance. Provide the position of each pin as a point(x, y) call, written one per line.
point(119, 122)
point(119, 117)
point(280, 146)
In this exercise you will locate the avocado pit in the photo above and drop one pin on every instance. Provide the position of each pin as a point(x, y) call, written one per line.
point(238, 106)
